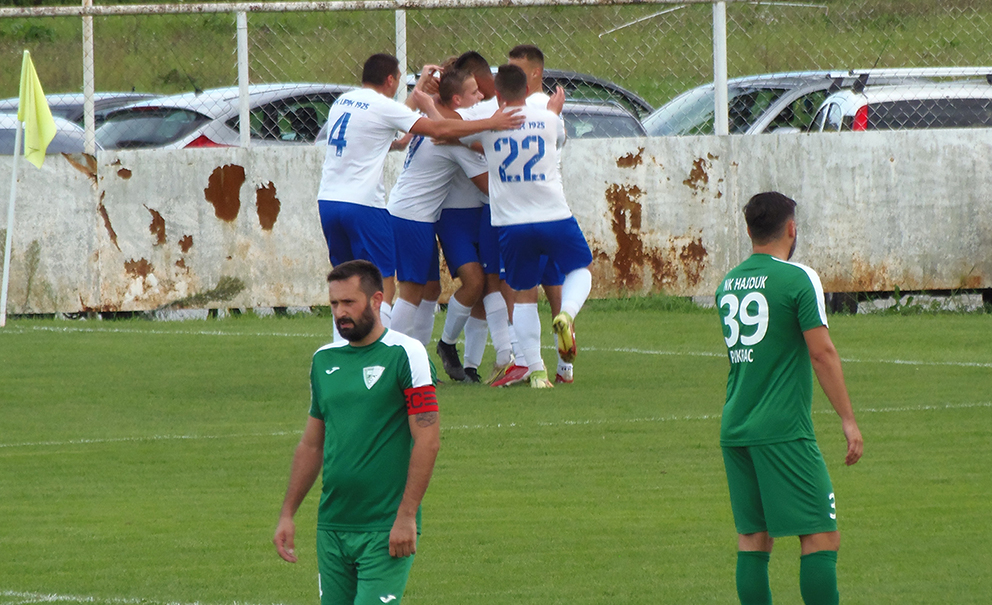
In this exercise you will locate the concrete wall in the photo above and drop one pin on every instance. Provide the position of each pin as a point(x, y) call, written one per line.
point(143, 230)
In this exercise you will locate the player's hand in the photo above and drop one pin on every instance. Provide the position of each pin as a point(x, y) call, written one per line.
point(507, 118)
point(557, 101)
point(423, 101)
point(855, 443)
point(284, 537)
point(429, 79)
point(403, 536)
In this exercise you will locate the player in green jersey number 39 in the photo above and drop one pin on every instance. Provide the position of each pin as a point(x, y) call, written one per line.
point(775, 326)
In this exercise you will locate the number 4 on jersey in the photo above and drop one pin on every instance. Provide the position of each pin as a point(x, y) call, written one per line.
point(336, 137)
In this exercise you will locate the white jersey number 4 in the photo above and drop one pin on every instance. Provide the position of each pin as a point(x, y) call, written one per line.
point(739, 312)
point(336, 137)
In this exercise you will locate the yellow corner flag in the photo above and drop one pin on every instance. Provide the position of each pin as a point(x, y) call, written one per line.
point(32, 109)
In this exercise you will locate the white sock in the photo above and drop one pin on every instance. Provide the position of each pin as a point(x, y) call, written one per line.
point(454, 321)
point(499, 326)
point(518, 351)
point(476, 331)
point(385, 314)
point(528, 323)
point(575, 291)
point(404, 313)
point(423, 323)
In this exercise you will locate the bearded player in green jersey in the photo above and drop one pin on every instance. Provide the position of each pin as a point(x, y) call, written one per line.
point(775, 327)
point(373, 427)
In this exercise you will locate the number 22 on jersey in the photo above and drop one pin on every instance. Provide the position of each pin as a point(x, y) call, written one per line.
point(508, 172)
point(739, 312)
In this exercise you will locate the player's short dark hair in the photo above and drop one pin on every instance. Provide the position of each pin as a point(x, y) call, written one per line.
point(378, 67)
point(511, 82)
point(370, 279)
point(472, 61)
point(452, 83)
point(766, 215)
point(528, 52)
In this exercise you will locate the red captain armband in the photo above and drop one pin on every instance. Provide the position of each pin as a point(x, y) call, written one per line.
point(420, 400)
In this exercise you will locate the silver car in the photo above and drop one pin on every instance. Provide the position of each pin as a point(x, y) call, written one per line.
point(779, 102)
point(69, 137)
point(280, 114)
point(70, 105)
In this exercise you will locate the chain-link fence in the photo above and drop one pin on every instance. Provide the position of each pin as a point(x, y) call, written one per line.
point(656, 50)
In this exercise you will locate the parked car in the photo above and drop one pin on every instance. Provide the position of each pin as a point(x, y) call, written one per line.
point(584, 87)
point(69, 137)
point(939, 105)
point(280, 114)
point(70, 105)
point(782, 102)
point(600, 121)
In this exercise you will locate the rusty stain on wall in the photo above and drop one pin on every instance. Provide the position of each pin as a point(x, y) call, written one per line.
point(138, 268)
point(630, 256)
point(698, 176)
point(267, 205)
point(224, 191)
point(692, 258)
point(185, 243)
point(181, 263)
point(630, 160)
point(106, 220)
point(124, 173)
point(157, 227)
point(89, 169)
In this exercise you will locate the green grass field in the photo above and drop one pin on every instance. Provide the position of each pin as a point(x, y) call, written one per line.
point(145, 462)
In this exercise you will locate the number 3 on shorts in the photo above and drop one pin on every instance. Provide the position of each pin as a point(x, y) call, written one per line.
point(743, 307)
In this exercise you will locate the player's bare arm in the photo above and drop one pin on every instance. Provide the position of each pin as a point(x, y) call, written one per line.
point(426, 83)
point(503, 119)
point(425, 429)
point(307, 460)
point(827, 365)
point(557, 101)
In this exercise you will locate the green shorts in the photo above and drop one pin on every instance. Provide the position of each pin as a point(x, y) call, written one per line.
point(356, 568)
point(782, 488)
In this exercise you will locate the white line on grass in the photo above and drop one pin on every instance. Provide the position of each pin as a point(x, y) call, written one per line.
point(497, 426)
point(39, 597)
point(633, 351)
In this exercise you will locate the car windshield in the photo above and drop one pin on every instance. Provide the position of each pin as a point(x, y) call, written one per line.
point(592, 126)
point(148, 127)
point(692, 113)
point(930, 113)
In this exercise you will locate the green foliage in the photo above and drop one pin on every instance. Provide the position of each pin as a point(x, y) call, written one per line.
point(146, 462)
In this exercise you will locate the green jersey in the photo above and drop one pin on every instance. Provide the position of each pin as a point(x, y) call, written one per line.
point(360, 395)
point(765, 305)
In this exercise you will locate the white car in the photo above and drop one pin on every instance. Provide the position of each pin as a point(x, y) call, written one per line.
point(938, 105)
point(280, 114)
point(69, 137)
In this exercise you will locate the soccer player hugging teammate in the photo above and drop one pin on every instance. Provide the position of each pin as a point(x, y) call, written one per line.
point(351, 198)
point(415, 206)
point(533, 219)
point(775, 328)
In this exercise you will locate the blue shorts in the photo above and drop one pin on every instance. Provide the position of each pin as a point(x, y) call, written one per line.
point(417, 261)
point(458, 230)
point(521, 248)
point(356, 232)
point(551, 275)
point(489, 245)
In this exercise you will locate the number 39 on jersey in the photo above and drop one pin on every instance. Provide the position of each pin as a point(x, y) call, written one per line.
point(747, 321)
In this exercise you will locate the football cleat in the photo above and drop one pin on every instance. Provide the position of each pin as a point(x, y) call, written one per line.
point(449, 358)
point(472, 375)
point(513, 375)
point(499, 371)
point(539, 380)
point(564, 376)
point(565, 330)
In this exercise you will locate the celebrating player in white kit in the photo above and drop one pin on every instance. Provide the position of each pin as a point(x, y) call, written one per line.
point(529, 209)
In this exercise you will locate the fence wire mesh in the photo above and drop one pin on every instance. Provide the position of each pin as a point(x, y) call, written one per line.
point(658, 51)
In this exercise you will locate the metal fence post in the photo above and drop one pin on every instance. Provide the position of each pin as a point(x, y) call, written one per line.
point(244, 119)
point(401, 51)
point(89, 84)
point(721, 111)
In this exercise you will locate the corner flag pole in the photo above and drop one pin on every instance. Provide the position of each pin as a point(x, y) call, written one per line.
point(10, 228)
